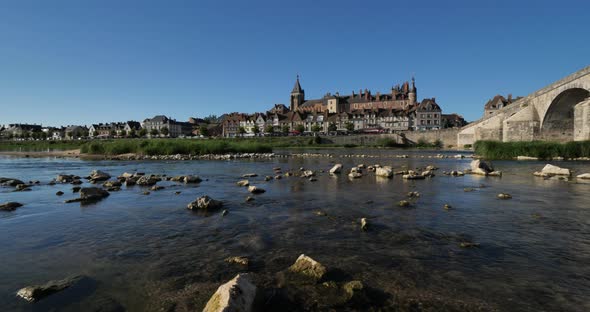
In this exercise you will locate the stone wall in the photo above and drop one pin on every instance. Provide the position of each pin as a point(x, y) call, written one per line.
point(447, 136)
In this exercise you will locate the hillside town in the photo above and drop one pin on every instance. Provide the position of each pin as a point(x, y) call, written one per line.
point(334, 114)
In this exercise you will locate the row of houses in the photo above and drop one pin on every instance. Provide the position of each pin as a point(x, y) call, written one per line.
point(426, 115)
point(26, 131)
point(158, 126)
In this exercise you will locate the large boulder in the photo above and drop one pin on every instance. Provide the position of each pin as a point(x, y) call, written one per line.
point(97, 175)
point(336, 169)
point(37, 292)
point(10, 206)
point(308, 267)
point(236, 295)
point(112, 184)
point(64, 178)
point(10, 182)
point(551, 170)
point(584, 176)
point(385, 172)
point(205, 202)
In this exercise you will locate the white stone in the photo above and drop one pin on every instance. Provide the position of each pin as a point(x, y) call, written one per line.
point(336, 169)
point(584, 176)
point(385, 172)
point(235, 295)
point(554, 170)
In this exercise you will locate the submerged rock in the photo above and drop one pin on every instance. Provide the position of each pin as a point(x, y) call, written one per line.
point(308, 267)
point(404, 203)
point(37, 292)
point(249, 175)
point(504, 196)
point(157, 188)
point(468, 245)
point(205, 202)
point(413, 194)
point(352, 289)
point(59, 193)
point(237, 295)
point(10, 206)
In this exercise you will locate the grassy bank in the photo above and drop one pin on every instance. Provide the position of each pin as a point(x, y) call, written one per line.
point(174, 146)
point(542, 150)
point(33, 146)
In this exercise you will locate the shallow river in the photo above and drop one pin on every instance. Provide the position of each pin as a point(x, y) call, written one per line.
point(141, 251)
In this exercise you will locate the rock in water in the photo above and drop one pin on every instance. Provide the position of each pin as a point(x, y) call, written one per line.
point(584, 176)
point(10, 182)
point(481, 167)
point(238, 260)
point(205, 202)
point(147, 180)
point(504, 196)
point(97, 175)
point(352, 289)
point(10, 206)
point(236, 295)
point(37, 292)
point(243, 183)
point(551, 170)
point(255, 190)
point(192, 179)
point(249, 175)
point(336, 169)
point(385, 172)
point(88, 194)
point(308, 267)
point(364, 224)
point(355, 175)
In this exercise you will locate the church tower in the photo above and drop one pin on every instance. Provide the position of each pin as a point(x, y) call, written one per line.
point(413, 94)
point(297, 96)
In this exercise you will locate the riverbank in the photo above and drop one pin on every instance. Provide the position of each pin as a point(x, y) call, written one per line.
point(533, 150)
point(39, 154)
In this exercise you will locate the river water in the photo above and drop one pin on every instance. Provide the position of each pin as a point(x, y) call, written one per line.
point(151, 253)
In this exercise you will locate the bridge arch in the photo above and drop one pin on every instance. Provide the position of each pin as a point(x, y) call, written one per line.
point(558, 122)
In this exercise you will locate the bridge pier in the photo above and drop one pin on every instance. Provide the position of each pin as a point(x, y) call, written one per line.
point(582, 121)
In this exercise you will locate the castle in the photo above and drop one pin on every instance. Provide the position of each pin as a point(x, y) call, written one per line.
point(400, 98)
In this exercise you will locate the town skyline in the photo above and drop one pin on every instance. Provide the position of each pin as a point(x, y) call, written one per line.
point(196, 60)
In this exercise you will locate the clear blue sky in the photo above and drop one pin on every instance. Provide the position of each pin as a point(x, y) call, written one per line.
point(80, 62)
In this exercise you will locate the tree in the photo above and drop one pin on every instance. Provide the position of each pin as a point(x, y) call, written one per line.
point(113, 133)
point(300, 128)
point(350, 126)
point(123, 133)
point(211, 119)
point(95, 133)
point(285, 129)
point(316, 128)
point(269, 129)
point(69, 134)
point(132, 133)
point(154, 132)
point(44, 135)
point(332, 127)
point(242, 131)
point(255, 129)
point(142, 132)
point(204, 131)
point(164, 131)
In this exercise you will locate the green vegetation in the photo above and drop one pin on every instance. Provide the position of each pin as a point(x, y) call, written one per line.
point(35, 146)
point(386, 142)
point(423, 143)
point(542, 150)
point(174, 146)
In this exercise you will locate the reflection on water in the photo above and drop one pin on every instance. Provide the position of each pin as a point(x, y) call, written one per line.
point(143, 251)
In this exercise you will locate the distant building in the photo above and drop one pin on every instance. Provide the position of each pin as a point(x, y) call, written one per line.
point(18, 130)
point(496, 103)
point(175, 128)
point(453, 121)
point(427, 115)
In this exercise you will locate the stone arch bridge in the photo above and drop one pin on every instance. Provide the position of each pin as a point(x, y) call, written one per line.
point(557, 112)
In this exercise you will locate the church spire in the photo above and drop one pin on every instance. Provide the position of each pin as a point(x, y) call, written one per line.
point(297, 87)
